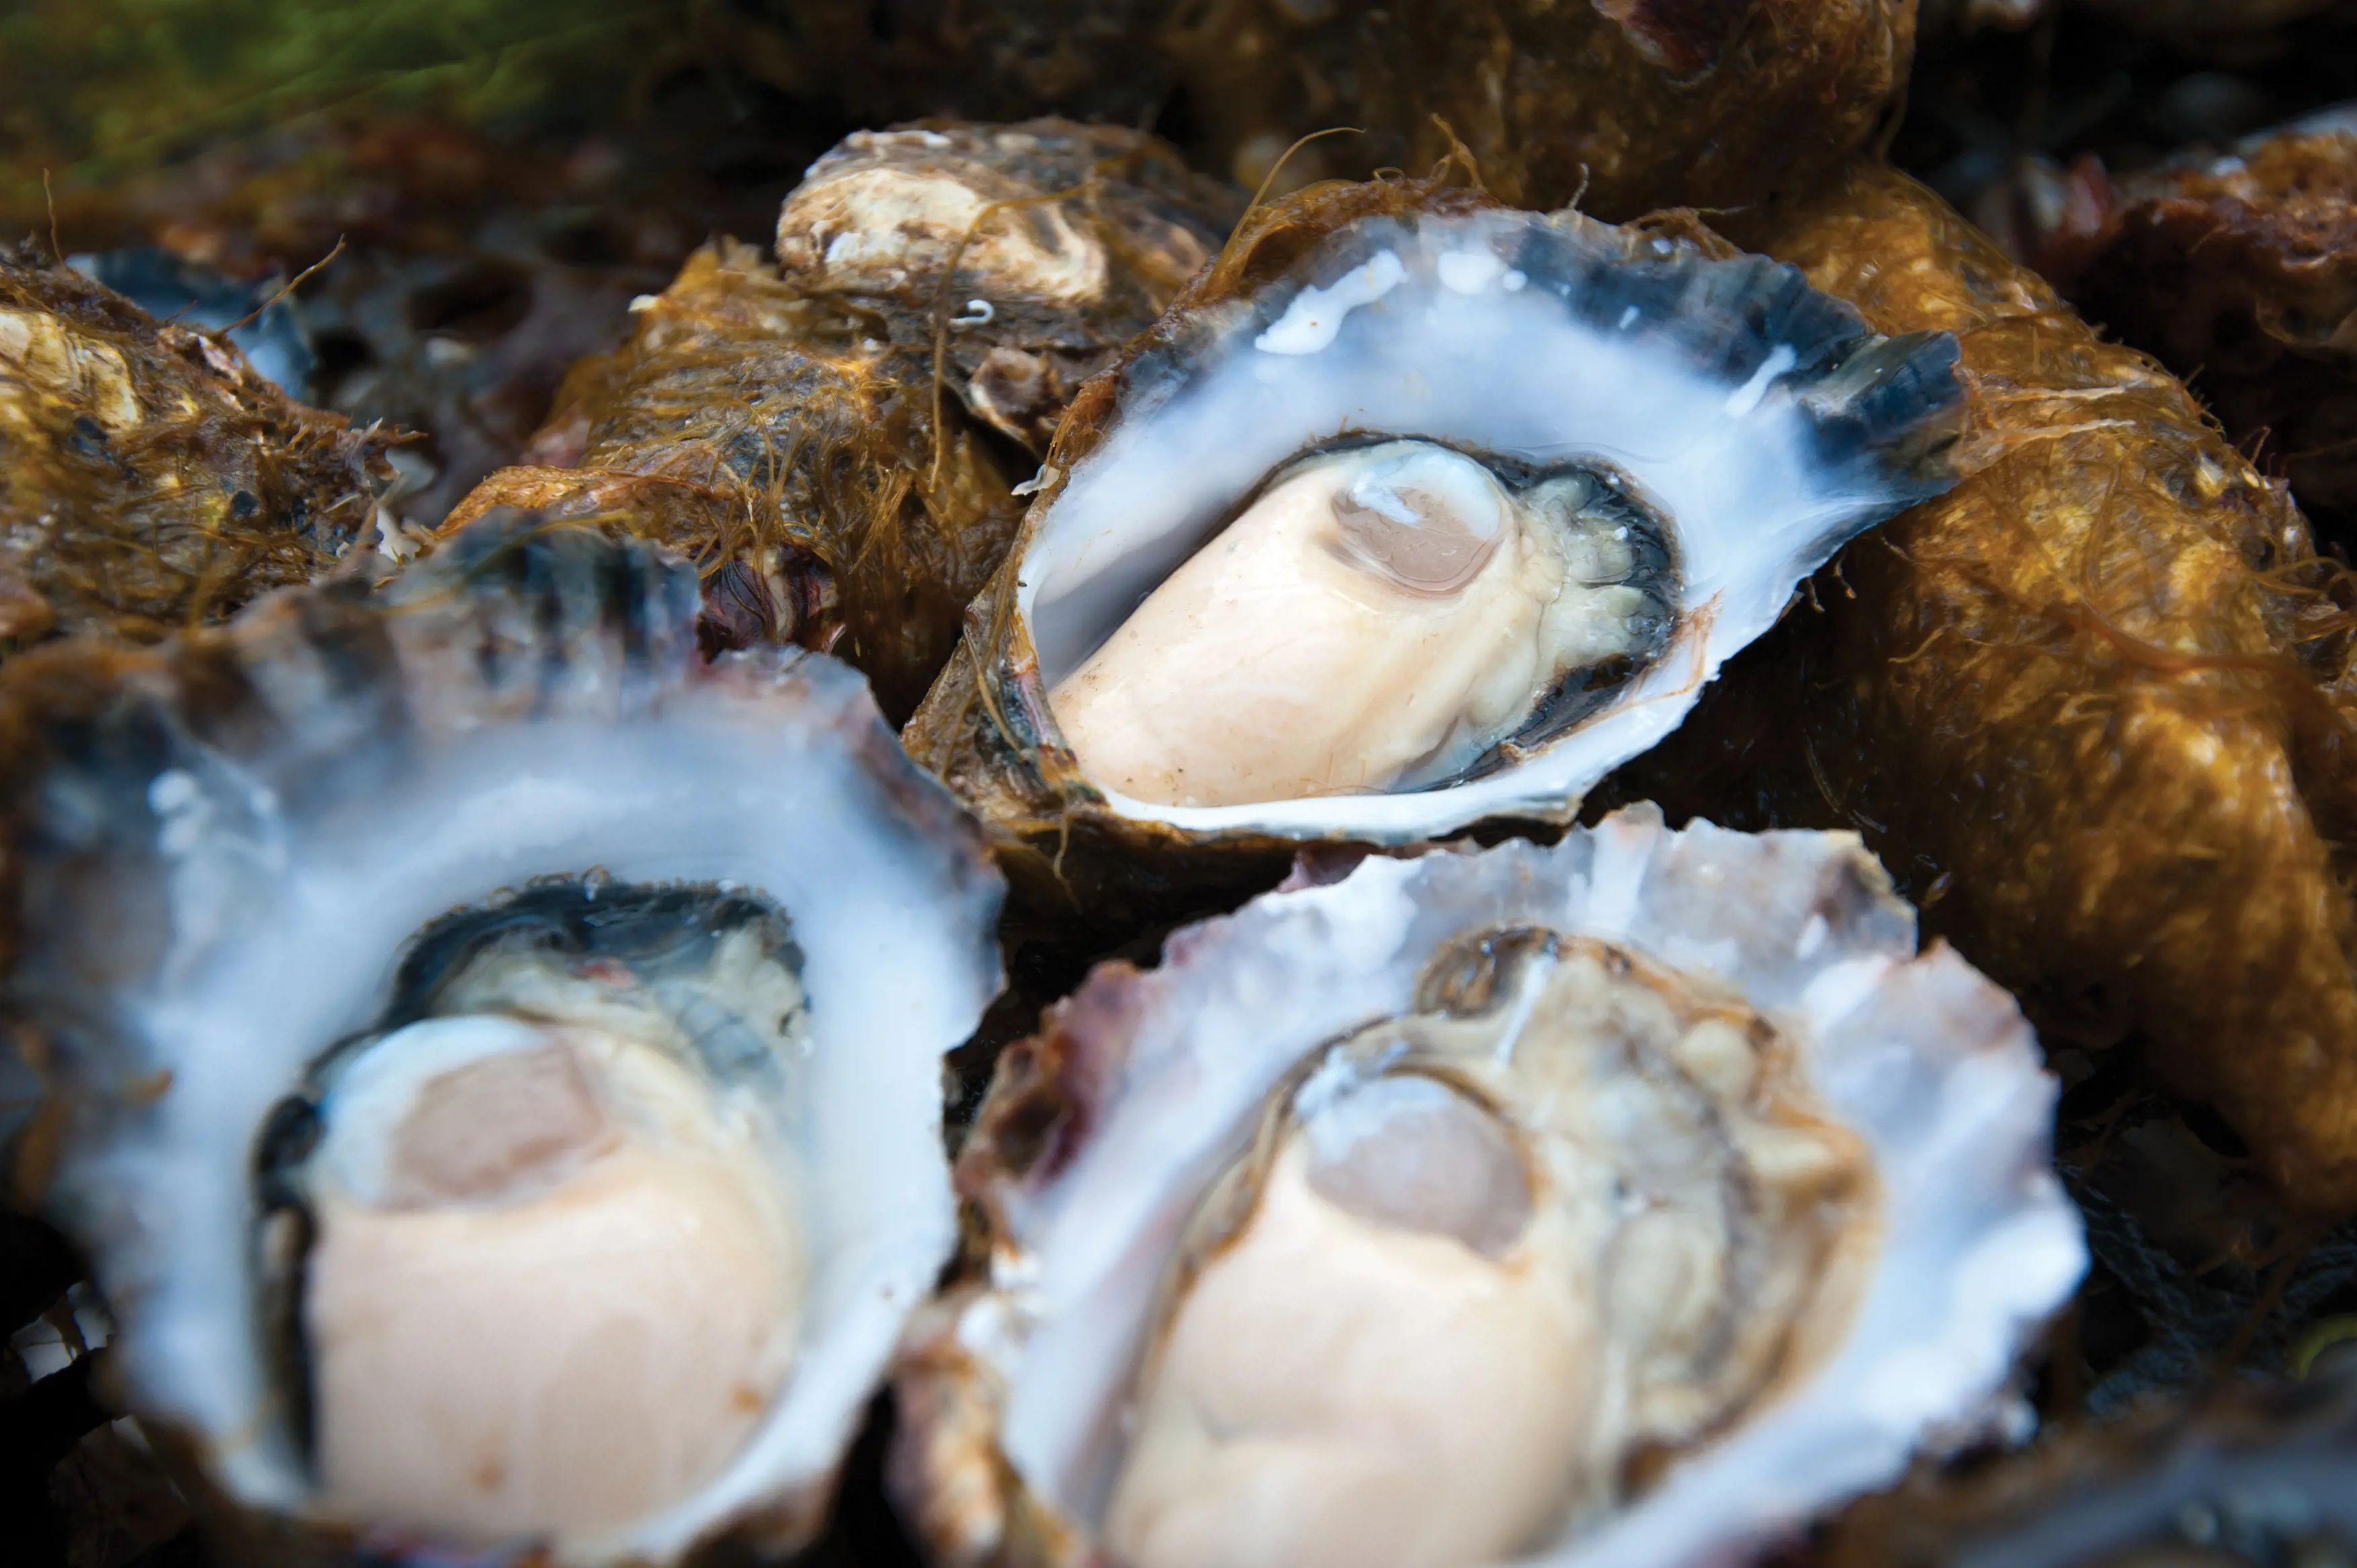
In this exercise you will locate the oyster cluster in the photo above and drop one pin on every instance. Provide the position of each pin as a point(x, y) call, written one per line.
point(539, 1022)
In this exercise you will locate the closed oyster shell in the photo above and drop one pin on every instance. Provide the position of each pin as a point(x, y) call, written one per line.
point(2240, 268)
point(1118, 1134)
point(1620, 106)
point(786, 429)
point(2093, 701)
point(150, 480)
point(2245, 1474)
point(378, 927)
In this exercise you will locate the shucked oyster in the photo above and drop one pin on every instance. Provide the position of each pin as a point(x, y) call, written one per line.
point(1414, 511)
point(1619, 1202)
point(499, 1055)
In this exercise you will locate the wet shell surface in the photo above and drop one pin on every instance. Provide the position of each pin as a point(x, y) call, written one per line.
point(1627, 1201)
point(497, 1054)
point(1417, 511)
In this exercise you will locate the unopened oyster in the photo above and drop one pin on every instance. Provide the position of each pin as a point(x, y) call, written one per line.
point(2096, 696)
point(824, 438)
point(1619, 1202)
point(150, 479)
point(497, 1055)
point(1414, 512)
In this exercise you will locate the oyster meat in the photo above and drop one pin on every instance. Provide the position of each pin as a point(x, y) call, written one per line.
point(1626, 1202)
point(495, 1056)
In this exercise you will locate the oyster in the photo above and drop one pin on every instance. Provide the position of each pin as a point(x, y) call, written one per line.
point(1416, 510)
point(785, 426)
point(1622, 106)
point(1623, 1201)
point(2096, 698)
point(497, 1056)
point(2247, 1475)
point(2240, 267)
point(149, 478)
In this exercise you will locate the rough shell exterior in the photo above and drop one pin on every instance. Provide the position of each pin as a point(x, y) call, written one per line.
point(150, 481)
point(1140, 1071)
point(1639, 103)
point(2245, 1475)
point(2239, 269)
point(786, 431)
point(1029, 254)
point(2091, 705)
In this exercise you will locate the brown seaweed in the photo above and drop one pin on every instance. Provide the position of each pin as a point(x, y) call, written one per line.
point(2092, 705)
point(150, 480)
point(787, 430)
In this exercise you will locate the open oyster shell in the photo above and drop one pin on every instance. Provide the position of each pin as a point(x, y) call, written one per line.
point(1415, 511)
point(496, 1055)
point(1589, 1098)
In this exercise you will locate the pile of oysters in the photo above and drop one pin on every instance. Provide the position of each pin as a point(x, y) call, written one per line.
point(536, 1018)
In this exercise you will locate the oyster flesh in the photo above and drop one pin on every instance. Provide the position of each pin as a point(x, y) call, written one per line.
point(1415, 511)
point(497, 1055)
point(1625, 1201)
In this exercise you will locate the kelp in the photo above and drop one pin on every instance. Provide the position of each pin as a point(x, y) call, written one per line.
point(2092, 706)
point(150, 480)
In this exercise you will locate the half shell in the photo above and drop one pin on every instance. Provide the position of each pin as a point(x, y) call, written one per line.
point(1569, 469)
point(1859, 1181)
point(434, 984)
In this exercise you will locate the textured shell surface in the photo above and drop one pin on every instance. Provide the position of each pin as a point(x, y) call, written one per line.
point(1439, 521)
point(1111, 1146)
point(288, 893)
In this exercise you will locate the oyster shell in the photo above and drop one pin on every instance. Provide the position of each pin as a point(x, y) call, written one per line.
point(1621, 106)
point(1624, 1201)
point(2093, 696)
point(153, 481)
point(1417, 511)
point(2245, 1476)
point(497, 1055)
point(785, 427)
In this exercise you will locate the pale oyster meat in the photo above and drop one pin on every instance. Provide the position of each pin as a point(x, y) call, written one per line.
point(1415, 511)
point(498, 1053)
point(1628, 1202)
point(1422, 613)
